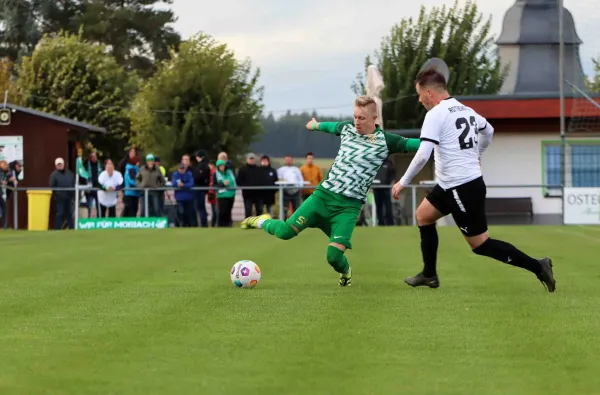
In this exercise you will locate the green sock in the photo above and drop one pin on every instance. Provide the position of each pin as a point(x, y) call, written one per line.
point(337, 260)
point(280, 229)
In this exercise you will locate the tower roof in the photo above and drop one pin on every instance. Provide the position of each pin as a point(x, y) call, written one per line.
point(530, 22)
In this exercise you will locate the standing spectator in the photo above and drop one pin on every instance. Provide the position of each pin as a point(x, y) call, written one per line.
point(161, 195)
point(292, 177)
point(14, 171)
point(201, 180)
point(383, 196)
point(212, 195)
point(110, 182)
point(311, 173)
point(4, 176)
point(150, 178)
point(250, 175)
point(94, 168)
point(128, 159)
point(270, 179)
point(187, 162)
point(183, 181)
point(63, 178)
point(131, 198)
point(224, 181)
point(223, 156)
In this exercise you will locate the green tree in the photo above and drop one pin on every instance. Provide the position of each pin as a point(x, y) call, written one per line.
point(203, 98)
point(459, 35)
point(138, 32)
point(74, 78)
point(593, 83)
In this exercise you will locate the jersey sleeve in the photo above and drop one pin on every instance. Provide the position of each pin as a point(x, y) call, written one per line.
point(333, 127)
point(483, 126)
point(398, 144)
point(432, 127)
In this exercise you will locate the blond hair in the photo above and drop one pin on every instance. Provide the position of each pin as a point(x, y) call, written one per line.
point(364, 101)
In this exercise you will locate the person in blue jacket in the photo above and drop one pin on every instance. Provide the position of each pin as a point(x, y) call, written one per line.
point(183, 181)
point(131, 197)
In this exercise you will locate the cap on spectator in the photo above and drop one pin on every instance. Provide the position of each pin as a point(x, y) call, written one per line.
point(201, 153)
point(59, 161)
point(149, 157)
point(157, 159)
point(181, 166)
point(221, 162)
point(251, 156)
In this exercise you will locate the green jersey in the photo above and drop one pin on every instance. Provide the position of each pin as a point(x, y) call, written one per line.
point(360, 157)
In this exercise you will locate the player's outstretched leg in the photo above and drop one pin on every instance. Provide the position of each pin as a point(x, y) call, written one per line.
point(280, 229)
point(339, 263)
point(253, 222)
point(507, 253)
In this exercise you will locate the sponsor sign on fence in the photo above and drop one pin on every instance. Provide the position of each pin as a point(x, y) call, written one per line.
point(122, 223)
point(582, 206)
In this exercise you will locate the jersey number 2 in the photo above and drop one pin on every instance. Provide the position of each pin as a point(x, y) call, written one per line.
point(465, 125)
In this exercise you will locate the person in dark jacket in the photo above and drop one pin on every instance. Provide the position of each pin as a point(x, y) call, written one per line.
point(383, 196)
point(63, 178)
point(183, 181)
point(251, 175)
point(4, 176)
point(269, 179)
point(201, 180)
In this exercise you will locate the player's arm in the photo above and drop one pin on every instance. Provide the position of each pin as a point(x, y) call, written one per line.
point(430, 136)
point(327, 127)
point(486, 133)
point(398, 144)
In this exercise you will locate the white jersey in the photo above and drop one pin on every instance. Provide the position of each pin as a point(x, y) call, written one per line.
point(454, 129)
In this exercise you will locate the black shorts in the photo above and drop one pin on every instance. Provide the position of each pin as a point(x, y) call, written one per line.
point(466, 203)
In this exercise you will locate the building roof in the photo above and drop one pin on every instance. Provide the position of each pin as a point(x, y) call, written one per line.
point(531, 22)
point(532, 106)
point(67, 121)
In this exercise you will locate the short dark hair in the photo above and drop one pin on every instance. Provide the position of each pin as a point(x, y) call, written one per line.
point(308, 154)
point(431, 78)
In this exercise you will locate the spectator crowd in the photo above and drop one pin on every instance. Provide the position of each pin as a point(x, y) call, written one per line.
point(187, 195)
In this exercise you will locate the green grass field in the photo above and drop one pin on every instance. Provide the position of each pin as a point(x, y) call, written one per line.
point(154, 312)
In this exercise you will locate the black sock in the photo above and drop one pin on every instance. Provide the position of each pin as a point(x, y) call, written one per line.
point(429, 246)
point(508, 253)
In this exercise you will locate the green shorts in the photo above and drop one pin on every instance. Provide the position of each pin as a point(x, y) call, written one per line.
point(334, 214)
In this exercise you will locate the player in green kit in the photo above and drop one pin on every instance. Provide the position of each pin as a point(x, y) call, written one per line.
point(335, 204)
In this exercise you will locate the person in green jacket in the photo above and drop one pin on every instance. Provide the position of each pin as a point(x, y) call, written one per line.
point(224, 182)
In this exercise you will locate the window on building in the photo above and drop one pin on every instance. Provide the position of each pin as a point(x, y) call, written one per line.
point(582, 162)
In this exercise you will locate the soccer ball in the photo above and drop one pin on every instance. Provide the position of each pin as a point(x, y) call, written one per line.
point(245, 274)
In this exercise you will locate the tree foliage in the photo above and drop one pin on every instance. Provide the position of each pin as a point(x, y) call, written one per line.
point(203, 98)
point(593, 83)
point(459, 35)
point(73, 78)
point(138, 32)
point(7, 81)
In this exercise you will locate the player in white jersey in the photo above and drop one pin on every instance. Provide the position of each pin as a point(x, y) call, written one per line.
point(458, 136)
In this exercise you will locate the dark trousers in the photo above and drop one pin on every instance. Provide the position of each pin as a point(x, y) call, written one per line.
point(186, 213)
point(130, 208)
point(107, 212)
point(383, 205)
point(200, 200)
point(153, 204)
point(224, 208)
point(91, 199)
point(294, 200)
point(250, 202)
point(64, 212)
point(213, 219)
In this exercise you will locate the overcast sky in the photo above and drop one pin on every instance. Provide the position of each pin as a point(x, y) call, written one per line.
point(310, 51)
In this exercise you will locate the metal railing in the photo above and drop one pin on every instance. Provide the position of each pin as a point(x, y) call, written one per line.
point(403, 209)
